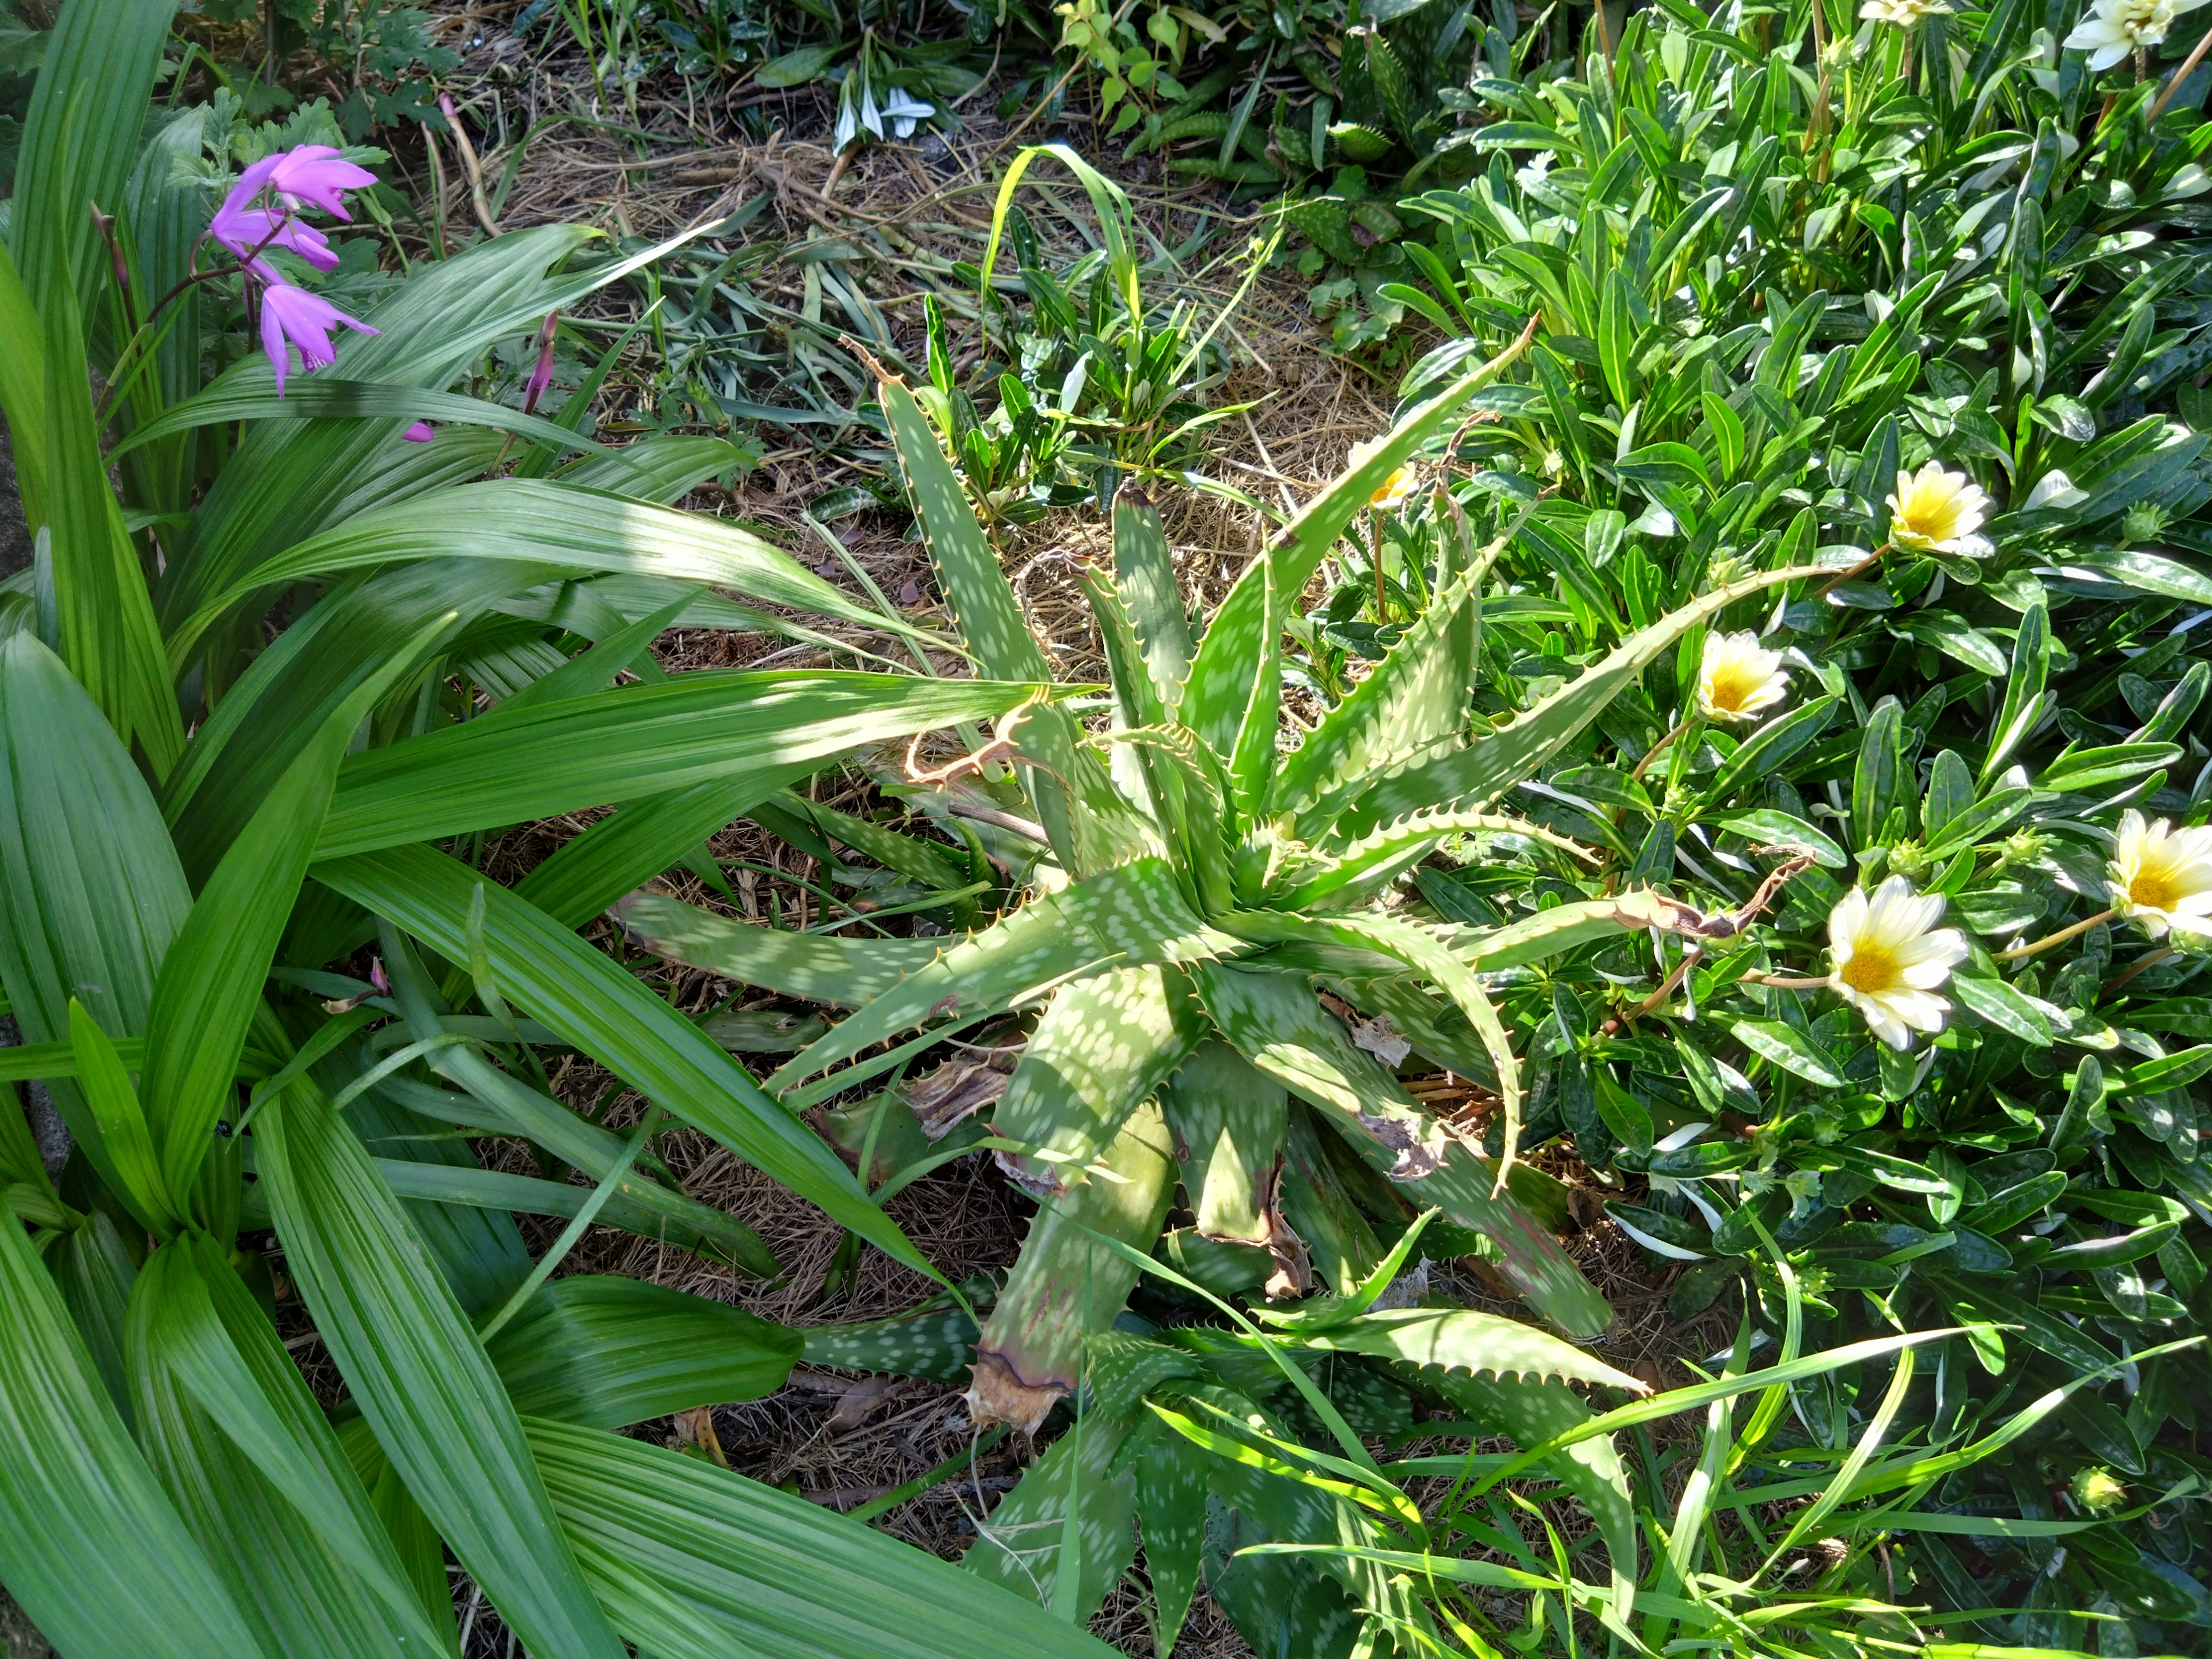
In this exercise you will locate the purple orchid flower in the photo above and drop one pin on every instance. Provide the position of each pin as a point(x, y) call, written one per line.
point(313, 174)
point(293, 320)
point(420, 432)
point(246, 230)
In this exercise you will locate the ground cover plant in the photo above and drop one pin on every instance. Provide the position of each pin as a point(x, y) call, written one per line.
point(1726, 765)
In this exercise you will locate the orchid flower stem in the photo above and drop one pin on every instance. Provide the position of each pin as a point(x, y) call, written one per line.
point(2058, 938)
point(2173, 83)
point(1652, 753)
point(2139, 966)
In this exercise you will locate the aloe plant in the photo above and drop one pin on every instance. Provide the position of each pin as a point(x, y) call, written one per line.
point(1204, 883)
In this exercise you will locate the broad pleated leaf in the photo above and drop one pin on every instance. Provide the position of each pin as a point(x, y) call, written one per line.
point(419, 1375)
point(251, 1461)
point(92, 891)
point(594, 1003)
point(326, 396)
point(89, 1545)
point(87, 113)
point(634, 740)
point(607, 1351)
point(696, 1563)
point(565, 526)
point(210, 980)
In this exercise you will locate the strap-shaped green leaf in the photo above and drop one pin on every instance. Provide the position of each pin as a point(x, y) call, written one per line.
point(90, 1547)
point(638, 739)
point(606, 1352)
point(122, 1122)
point(324, 397)
point(840, 970)
point(1278, 1025)
point(595, 1004)
point(250, 1459)
point(418, 1373)
point(23, 386)
point(693, 1562)
point(1494, 764)
point(981, 598)
point(1128, 916)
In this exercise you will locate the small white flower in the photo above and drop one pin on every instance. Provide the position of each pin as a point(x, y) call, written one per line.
point(1888, 958)
point(2160, 878)
point(903, 109)
point(2114, 28)
point(1905, 14)
point(1933, 511)
point(1737, 679)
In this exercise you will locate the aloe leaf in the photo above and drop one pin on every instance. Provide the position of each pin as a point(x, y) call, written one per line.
point(1462, 1340)
point(1276, 1023)
point(1072, 1493)
point(1214, 698)
point(938, 1343)
point(419, 1375)
point(694, 1562)
point(92, 894)
point(1171, 1476)
point(1229, 1122)
point(1416, 698)
point(1143, 572)
point(1067, 1284)
point(635, 741)
point(1487, 767)
point(597, 1006)
point(1418, 950)
point(1133, 915)
point(1534, 1412)
point(251, 1460)
point(1366, 864)
point(837, 970)
point(89, 1545)
point(607, 1351)
point(1102, 1046)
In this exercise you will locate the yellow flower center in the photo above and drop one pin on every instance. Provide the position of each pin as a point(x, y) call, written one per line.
point(1733, 685)
point(1936, 520)
point(2154, 889)
point(1870, 969)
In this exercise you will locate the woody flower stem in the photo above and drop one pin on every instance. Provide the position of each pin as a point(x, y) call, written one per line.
point(1652, 753)
point(2120, 979)
point(2058, 938)
point(2188, 68)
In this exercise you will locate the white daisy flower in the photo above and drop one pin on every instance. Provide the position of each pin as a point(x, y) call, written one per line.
point(2160, 878)
point(1905, 14)
point(1933, 511)
point(1738, 678)
point(2114, 28)
point(1888, 958)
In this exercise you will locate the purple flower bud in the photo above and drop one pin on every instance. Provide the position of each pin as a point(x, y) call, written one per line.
point(420, 433)
point(542, 376)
